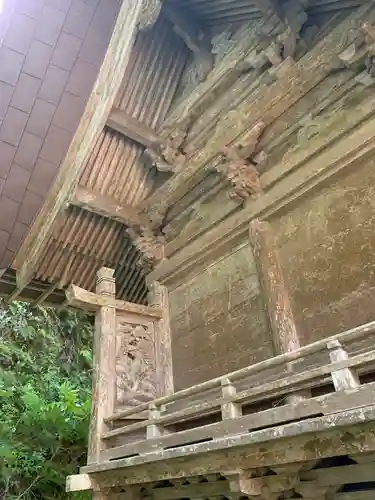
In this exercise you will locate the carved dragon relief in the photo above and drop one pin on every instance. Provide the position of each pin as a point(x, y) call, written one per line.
point(135, 365)
point(240, 165)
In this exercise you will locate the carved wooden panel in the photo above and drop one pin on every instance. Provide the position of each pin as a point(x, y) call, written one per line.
point(135, 363)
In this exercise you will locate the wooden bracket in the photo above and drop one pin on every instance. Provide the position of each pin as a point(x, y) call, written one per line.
point(239, 166)
point(169, 156)
point(149, 244)
point(149, 14)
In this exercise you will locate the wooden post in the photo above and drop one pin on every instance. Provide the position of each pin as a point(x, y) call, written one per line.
point(103, 394)
point(229, 409)
point(283, 328)
point(158, 297)
point(153, 430)
point(347, 378)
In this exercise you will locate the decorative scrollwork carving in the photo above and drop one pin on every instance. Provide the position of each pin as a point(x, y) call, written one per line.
point(135, 365)
point(240, 165)
point(149, 14)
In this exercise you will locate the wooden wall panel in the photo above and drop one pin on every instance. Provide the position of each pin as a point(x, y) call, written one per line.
point(327, 245)
point(218, 320)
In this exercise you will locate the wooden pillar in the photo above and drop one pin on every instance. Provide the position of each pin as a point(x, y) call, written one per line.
point(283, 328)
point(103, 389)
point(158, 297)
point(344, 379)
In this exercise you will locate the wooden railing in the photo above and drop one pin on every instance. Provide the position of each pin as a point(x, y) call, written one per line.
point(233, 407)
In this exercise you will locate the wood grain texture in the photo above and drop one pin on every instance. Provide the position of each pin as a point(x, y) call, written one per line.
point(107, 207)
point(158, 297)
point(275, 293)
point(267, 104)
point(103, 399)
point(132, 129)
point(220, 298)
point(91, 125)
point(82, 299)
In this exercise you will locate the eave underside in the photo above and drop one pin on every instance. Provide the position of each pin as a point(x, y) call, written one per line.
point(82, 239)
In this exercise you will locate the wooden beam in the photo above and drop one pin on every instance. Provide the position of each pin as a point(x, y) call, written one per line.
point(335, 476)
point(307, 441)
point(132, 128)
point(107, 207)
point(79, 482)
point(267, 105)
point(91, 125)
point(88, 301)
point(45, 294)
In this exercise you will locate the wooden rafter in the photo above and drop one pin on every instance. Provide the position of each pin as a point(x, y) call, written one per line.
point(107, 207)
point(133, 129)
point(91, 125)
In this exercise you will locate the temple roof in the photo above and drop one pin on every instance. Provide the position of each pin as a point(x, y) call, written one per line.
point(106, 186)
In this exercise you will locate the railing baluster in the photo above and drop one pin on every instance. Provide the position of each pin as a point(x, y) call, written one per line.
point(229, 409)
point(154, 430)
point(347, 378)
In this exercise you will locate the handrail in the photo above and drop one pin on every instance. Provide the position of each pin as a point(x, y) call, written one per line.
point(349, 335)
point(255, 394)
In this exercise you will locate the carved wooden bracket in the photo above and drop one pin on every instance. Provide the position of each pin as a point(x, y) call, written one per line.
point(360, 56)
point(369, 31)
point(239, 166)
point(150, 245)
point(149, 14)
point(169, 156)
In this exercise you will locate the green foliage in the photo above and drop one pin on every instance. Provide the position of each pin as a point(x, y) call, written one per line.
point(45, 399)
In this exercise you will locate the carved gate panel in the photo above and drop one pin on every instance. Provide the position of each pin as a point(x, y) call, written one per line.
point(135, 362)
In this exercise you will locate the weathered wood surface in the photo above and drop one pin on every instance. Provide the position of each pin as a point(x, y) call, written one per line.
point(259, 393)
point(82, 299)
point(312, 172)
point(91, 125)
point(339, 126)
point(158, 298)
point(266, 105)
point(103, 393)
point(218, 299)
point(346, 378)
point(275, 293)
point(323, 405)
point(106, 206)
point(255, 394)
point(132, 129)
point(276, 361)
point(303, 444)
point(136, 375)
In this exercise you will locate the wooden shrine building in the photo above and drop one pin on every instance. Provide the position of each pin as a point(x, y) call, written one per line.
point(214, 208)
